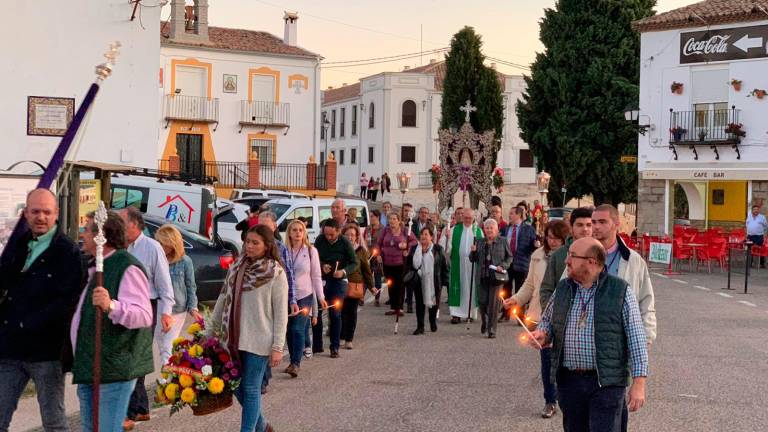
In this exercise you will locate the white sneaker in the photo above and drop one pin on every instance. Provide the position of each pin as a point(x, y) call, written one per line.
point(308, 353)
point(437, 315)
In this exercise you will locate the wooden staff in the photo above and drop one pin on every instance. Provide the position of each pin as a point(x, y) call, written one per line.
point(99, 219)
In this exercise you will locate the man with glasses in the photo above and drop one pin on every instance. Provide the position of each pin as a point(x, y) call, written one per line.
point(421, 221)
point(598, 342)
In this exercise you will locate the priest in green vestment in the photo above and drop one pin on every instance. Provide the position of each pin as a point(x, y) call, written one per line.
point(463, 238)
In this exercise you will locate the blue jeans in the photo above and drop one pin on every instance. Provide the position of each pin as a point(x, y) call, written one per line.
point(550, 391)
point(49, 382)
point(297, 327)
point(335, 290)
point(588, 407)
point(249, 392)
point(113, 403)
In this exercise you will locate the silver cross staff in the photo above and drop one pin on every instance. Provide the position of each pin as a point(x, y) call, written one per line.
point(468, 109)
point(100, 218)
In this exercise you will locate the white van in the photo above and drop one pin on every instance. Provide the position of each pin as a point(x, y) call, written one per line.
point(189, 205)
point(313, 212)
point(264, 193)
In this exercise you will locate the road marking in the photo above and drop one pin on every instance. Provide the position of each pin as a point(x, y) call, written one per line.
point(680, 281)
point(689, 396)
point(744, 302)
point(702, 288)
point(661, 275)
point(725, 295)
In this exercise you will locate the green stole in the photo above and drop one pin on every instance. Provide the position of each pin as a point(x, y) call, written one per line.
point(454, 289)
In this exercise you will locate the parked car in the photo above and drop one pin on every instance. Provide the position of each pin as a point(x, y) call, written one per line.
point(229, 214)
point(559, 213)
point(210, 258)
point(189, 205)
point(313, 212)
point(264, 193)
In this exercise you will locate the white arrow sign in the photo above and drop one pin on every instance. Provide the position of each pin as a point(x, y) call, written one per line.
point(746, 42)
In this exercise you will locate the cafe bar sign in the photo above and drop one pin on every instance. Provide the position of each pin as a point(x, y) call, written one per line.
point(739, 43)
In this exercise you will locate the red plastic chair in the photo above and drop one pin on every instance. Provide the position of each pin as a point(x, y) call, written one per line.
point(716, 250)
point(758, 252)
point(680, 252)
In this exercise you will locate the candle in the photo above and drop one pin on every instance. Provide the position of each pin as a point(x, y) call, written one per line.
point(335, 304)
point(514, 313)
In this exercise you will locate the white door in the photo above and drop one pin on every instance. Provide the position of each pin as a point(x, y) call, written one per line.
point(191, 86)
point(263, 98)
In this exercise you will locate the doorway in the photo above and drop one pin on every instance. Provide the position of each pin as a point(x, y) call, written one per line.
point(189, 148)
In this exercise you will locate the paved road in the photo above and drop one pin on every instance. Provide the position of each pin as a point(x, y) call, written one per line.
point(707, 374)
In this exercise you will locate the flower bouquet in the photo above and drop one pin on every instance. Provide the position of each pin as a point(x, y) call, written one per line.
point(435, 174)
point(200, 373)
point(498, 179)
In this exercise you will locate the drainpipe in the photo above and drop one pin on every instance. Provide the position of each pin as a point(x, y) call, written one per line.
point(315, 98)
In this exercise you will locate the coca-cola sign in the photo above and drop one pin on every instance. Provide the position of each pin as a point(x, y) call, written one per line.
point(724, 44)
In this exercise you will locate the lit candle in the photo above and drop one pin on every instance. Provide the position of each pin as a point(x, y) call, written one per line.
point(525, 327)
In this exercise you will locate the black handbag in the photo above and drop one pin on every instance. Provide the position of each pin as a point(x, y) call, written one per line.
point(500, 278)
point(412, 276)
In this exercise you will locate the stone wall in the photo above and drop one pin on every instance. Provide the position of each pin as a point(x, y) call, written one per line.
point(760, 193)
point(650, 206)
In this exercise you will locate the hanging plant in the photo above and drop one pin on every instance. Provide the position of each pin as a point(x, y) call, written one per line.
point(735, 129)
point(736, 84)
point(758, 93)
point(435, 174)
point(677, 87)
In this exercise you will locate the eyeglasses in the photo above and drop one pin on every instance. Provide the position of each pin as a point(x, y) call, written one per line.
point(570, 255)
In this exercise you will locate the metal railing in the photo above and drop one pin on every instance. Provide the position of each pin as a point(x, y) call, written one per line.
point(194, 108)
point(283, 176)
point(229, 174)
point(265, 113)
point(703, 126)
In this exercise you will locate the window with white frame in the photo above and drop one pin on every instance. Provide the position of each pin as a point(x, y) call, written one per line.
point(341, 157)
point(354, 120)
point(342, 122)
point(264, 149)
point(409, 114)
point(371, 116)
point(324, 116)
point(709, 97)
point(333, 123)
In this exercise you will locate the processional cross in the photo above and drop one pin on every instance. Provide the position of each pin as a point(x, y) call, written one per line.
point(468, 109)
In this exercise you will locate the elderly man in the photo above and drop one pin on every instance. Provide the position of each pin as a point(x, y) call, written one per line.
point(492, 258)
point(462, 240)
point(496, 215)
point(149, 252)
point(420, 221)
point(756, 227)
point(40, 284)
point(339, 212)
point(598, 343)
point(127, 346)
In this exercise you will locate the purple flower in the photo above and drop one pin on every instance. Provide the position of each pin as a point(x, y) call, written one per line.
point(234, 372)
point(225, 377)
point(229, 365)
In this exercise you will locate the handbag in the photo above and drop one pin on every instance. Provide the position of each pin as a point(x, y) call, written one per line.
point(356, 290)
point(412, 276)
point(500, 278)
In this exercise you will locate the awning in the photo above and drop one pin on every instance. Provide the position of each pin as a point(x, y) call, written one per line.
point(704, 171)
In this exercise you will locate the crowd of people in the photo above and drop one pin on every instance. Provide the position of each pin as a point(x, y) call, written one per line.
point(586, 297)
point(371, 186)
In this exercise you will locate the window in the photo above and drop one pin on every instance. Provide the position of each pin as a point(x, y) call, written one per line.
point(341, 157)
point(718, 196)
point(526, 158)
point(333, 123)
point(354, 120)
point(322, 124)
point(371, 116)
point(333, 155)
point(322, 158)
point(710, 104)
point(123, 197)
point(264, 149)
point(353, 156)
point(409, 114)
point(408, 154)
point(342, 123)
point(370, 155)
point(302, 213)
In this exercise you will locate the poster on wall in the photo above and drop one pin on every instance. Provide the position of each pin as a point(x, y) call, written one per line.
point(13, 197)
point(230, 83)
point(737, 43)
point(90, 194)
point(49, 116)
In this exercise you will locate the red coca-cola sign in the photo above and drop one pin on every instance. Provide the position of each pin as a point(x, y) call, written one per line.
point(737, 43)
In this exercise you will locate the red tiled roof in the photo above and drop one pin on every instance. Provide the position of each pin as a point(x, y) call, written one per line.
point(241, 40)
point(341, 93)
point(711, 11)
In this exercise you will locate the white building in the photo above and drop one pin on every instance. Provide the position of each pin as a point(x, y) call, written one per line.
point(389, 122)
point(230, 94)
point(50, 50)
point(703, 47)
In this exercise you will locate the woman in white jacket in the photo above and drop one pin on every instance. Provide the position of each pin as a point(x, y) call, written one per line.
point(555, 233)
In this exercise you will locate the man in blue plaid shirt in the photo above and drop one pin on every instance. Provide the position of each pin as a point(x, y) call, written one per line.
point(598, 342)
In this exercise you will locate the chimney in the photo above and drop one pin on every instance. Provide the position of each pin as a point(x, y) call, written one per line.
point(330, 87)
point(343, 84)
point(432, 61)
point(189, 23)
point(493, 66)
point(406, 67)
point(290, 36)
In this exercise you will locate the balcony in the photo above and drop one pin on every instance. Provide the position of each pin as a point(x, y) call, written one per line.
point(713, 128)
point(191, 108)
point(291, 176)
point(265, 114)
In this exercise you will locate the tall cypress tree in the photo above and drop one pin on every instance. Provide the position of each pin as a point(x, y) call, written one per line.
point(572, 113)
point(466, 77)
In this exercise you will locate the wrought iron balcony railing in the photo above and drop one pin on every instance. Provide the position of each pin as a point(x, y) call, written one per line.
point(711, 127)
point(191, 108)
point(265, 113)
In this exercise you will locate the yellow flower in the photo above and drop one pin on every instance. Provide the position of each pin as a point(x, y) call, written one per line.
point(188, 395)
point(216, 386)
point(186, 381)
point(195, 350)
point(194, 328)
point(172, 391)
point(160, 396)
point(177, 341)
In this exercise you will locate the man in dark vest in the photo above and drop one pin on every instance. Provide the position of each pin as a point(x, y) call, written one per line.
point(598, 342)
point(40, 282)
point(126, 350)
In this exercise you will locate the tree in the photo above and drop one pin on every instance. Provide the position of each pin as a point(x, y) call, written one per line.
point(572, 113)
point(466, 77)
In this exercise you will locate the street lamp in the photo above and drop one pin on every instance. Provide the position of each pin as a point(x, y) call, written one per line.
point(632, 114)
point(326, 125)
point(403, 179)
point(564, 190)
point(542, 181)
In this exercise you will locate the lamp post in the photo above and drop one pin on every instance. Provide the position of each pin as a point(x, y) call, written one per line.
point(564, 190)
point(403, 179)
point(542, 180)
point(326, 124)
point(632, 114)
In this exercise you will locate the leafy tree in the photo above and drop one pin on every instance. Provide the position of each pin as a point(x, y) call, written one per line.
point(572, 113)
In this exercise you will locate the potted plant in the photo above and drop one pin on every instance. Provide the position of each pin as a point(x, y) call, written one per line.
point(677, 87)
point(735, 131)
point(498, 179)
point(435, 177)
point(736, 84)
point(758, 93)
point(702, 135)
point(678, 132)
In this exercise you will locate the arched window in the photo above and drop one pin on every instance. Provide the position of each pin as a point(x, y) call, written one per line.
point(409, 114)
point(371, 116)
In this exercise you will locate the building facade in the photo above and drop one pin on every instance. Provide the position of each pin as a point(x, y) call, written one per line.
point(230, 95)
point(704, 71)
point(46, 80)
point(389, 122)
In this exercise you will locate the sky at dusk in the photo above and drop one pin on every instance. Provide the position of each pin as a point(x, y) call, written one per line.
point(341, 30)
